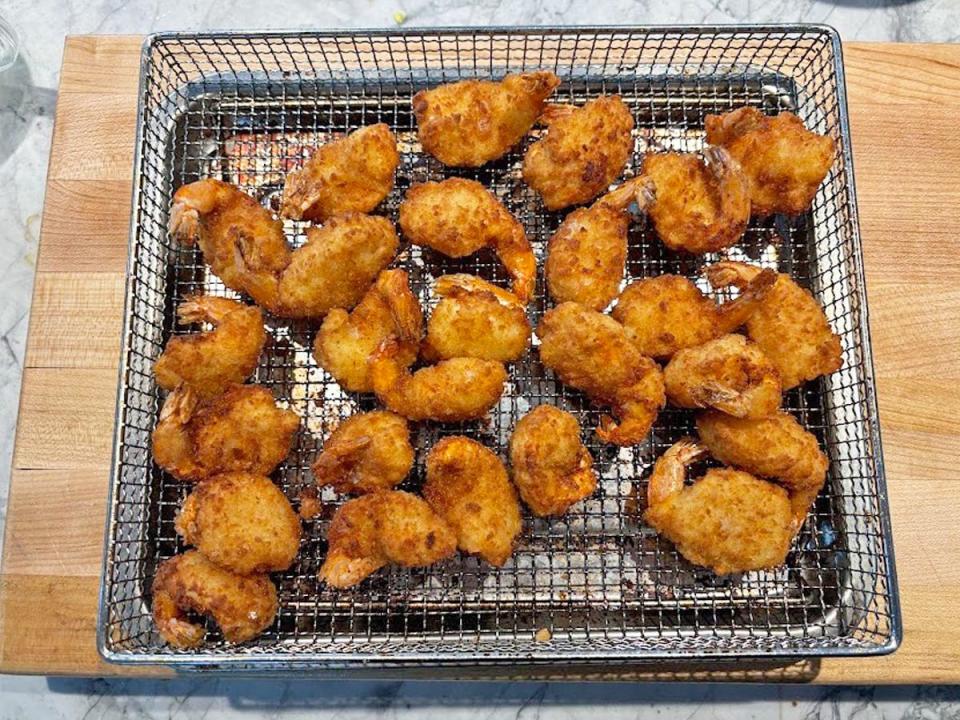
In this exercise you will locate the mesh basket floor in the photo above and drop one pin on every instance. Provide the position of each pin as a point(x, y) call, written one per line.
point(597, 579)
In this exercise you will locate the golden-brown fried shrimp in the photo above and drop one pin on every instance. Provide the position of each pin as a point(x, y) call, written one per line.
point(372, 531)
point(730, 374)
point(241, 241)
point(666, 313)
point(337, 265)
point(475, 319)
point(242, 522)
point(775, 447)
point(783, 161)
point(366, 453)
point(702, 203)
point(243, 607)
point(450, 391)
point(210, 362)
point(551, 467)
point(728, 520)
point(241, 430)
point(587, 254)
point(458, 217)
point(789, 325)
point(467, 485)
point(469, 123)
point(346, 340)
point(590, 351)
point(351, 174)
point(585, 149)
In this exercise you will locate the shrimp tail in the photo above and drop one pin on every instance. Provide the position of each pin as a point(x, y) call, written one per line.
point(394, 287)
point(735, 313)
point(339, 460)
point(728, 272)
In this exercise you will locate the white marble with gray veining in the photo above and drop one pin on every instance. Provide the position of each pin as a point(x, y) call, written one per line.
point(27, 102)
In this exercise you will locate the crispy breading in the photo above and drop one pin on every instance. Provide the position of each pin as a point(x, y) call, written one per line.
point(209, 362)
point(550, 466)
point(242, 606)
point(365, 453)
point(584, 151)
point(470, 123)
point(729, 373)
point(353, 173)
point(783, 161)
point(372, 531)
point(789, 325)
point(590, 351)
point(346, 340)
point(467, 485)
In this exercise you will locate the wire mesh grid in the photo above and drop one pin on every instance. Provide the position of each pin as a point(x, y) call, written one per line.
point(248, 108)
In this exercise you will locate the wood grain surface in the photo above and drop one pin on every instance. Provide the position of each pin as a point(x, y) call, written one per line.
point(904, 101)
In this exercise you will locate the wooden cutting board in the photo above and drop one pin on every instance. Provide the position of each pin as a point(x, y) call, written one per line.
point(904, 104)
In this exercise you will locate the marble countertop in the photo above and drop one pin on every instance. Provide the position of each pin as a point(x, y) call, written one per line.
point(27, 103)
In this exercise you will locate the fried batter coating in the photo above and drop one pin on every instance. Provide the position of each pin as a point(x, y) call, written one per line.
point(584, 151)
point(702, 203)
point(375, 530)
point(243, 607)
point(664, 314)
point(730, 374)
point(789, 326)
point(470, 123)
point(775, 447)
point(467, 485)
point(587, 254)
point(241, 241)
point(242, 522)
point(351, 174)
point(210, 362)
point(346, 340)
point(590, 352)
point(337, 265)
point(728, 520)
point(783, 161)
point(552, 469)
point(366, 453)
point(450, 391)
point(458, 217)
point(475, 319)
point(241, 430)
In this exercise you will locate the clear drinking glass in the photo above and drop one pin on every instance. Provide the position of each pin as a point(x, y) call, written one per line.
point(9, 44)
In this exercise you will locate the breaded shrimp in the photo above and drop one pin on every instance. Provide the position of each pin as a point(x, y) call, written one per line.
point(450, 391)
point(351, 174)
point(587, 254)
point(241, 430)
point(590, 352)
point(346, 340)
point(775, 447)
point(243, 607)
point(375, 530)
point(730, 374)
point(241, 241)
point(366, 453)
point(783, 161)
point(585, 149)
point(209, 362)
point(242, 522)
point(666, 313)
point(337, 265)
point(728, 520)
point(470, 123)
point(702, 202)
point(458, 217)
point(467, 485)
point(789, 325)
point(475, 319)
point(551, 467)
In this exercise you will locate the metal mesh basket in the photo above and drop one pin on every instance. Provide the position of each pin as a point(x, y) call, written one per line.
point(246, 108)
